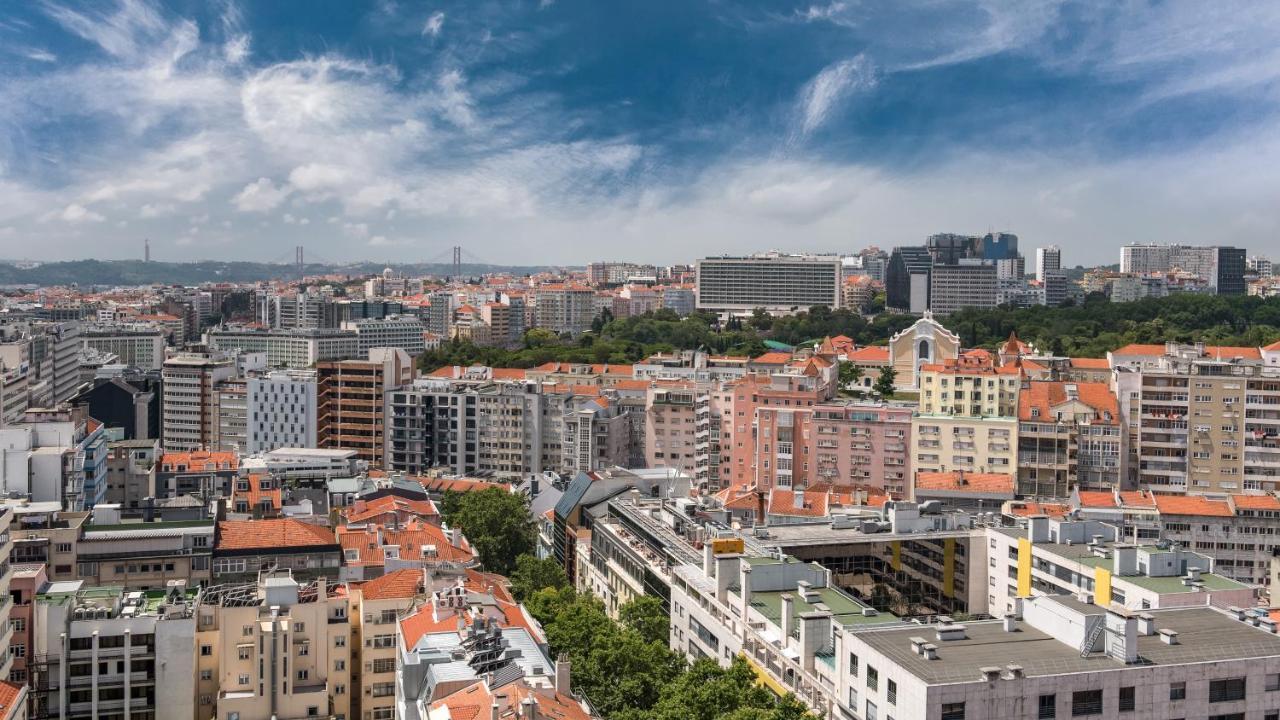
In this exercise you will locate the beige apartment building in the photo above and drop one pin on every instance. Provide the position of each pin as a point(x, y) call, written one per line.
point(274, 648)
point(967, 417)
point(1068, 436)
point(350, 400)
point(1199, 419)
point(376, 606)
point(189, 411)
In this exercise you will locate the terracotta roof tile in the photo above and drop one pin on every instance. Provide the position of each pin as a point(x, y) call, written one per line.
point(9, 694)
point(1042, 396)
point(873, 353)
point(395, 584)
point(1091, 363)
point(1192, 505)
point(1097, 499)
point(280, 533)
point(959, 481)
point(1255, 502)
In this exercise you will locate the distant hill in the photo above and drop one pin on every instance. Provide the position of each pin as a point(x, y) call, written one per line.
point(137, 272)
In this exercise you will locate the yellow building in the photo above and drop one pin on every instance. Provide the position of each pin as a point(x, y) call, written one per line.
point(967, 417)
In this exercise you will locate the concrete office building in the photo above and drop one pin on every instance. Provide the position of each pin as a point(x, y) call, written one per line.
point(301, 348)
point(965, 285)
point(565, 308)
point(233, 415)
point(777, 282)
point(397, 331)
point(139, 345)
point(1048, 259)
point(281, 410)
point(351, 400)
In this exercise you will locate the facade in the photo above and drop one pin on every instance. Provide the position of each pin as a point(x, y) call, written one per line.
point(967, 417)
point(281, 410)
point(960, 286)
point(1069, 435)
point(564, 309)
point(273, 647)
point(189, 418)
point(129, 401)
point(351, 400)
point(396, 331)
point(1222, 267)
point(131, 472)
point(1048, 259)
point(776, 282)
point(139, 345)
point(243, 548)
point(300, 348)
point(233, 415)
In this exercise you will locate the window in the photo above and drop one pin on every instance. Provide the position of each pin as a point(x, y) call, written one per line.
point(244, 678)
point(1226, 690)
point(1273, 681)
point(62, 547)
point(1128, 699)
point(303, 674)
point(340, 641)
point(384, 665)
point(304, 649)
point(206, 651)
point(244, 651)
point(18, 624)
point(339, 689)
point(953, 711)
point(1048, 707)
point(339, 665)
point(1086, 702)
point(246, 631)
point(853, 665)
point(206, 674)
point(299, 627)
point(1178, 691)
point(871, 710)
point(873, 678)
point(18, 650)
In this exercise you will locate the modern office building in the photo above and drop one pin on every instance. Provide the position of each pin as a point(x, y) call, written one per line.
point(189, 408)
point(139, 345)
point(396, 331)
point(298, 348)
point(281, 410)
point(907, 279)
point(966, 285)
point(1048, 259)
point(351, 399)
point(776, 282)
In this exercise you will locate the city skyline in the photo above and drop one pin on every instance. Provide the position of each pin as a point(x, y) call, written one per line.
point(558, 133)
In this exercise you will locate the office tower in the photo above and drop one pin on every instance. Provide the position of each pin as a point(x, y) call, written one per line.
point(297, 348)
point(351, 397)
point(1229, 270)
point(1055, 288)
point(907, 279)
point(776, 282)
point(1048, 259)
point(999, 246)
point(969, 284)
point(281, 410)
point(189, 417)
point(950, 248)
point(139, 345)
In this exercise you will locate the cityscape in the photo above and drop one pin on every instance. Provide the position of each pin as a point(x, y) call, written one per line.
point(522, 361)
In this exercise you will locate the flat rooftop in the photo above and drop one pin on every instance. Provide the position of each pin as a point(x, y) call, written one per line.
point(844, 610)
point(1205, 635)
point(821, 533)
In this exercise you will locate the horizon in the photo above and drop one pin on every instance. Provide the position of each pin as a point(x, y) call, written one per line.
point(539, 132)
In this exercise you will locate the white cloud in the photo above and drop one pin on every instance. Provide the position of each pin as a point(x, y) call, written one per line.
point(822, 12)
point(39, 55)
point(312, 177)
point(434, 24)
point(260, 196)
point(828, 88)
point(155, 210)
point(76, 213)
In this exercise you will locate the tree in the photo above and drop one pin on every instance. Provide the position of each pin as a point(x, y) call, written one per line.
point(539, 337)
point(646, 616)
point(497, 524)
point(533, 574)
point(449, 506)
point(885, 383)
point(709, 692)
point(850, 374)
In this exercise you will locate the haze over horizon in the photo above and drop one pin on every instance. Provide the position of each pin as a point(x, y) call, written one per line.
point(561, 132)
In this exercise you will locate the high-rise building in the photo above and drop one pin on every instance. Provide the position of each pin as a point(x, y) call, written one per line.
point(281, 410)
point(907, 279)
point(189, 417)
point(565, 308)
point(1000, 246)
point(298, 348)
point(397, 331)
point(966, 285)
point(139, 345)
point(1055, 288)
point(1048, 259)
point(1222, 267)
point(1229, 270)
point(350, 400)
point(1259, 265)
point(776, 282)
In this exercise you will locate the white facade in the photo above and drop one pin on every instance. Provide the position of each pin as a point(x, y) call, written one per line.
point(397, 331)
point(139, 345)
point(776, 282)
point(281, 410)
point(1048, 259)
point(289, 348)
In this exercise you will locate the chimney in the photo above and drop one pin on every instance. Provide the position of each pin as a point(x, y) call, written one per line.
point(708, 559)
point(726, 569)
point(528, 709)
point(1146, 624)
point(148, 509)
point(815, 631)
point(1038, 529)
point(930, 651)
point(493, 711)
point(797, 499)
point(562, 674)
point(788, 616)
point(1010, 622)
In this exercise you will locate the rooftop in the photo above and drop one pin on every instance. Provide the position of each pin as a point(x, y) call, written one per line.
point(1204, 635)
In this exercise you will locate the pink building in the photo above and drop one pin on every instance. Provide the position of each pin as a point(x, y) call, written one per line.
point(28, 580)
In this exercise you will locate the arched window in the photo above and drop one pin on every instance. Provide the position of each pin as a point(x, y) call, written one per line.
point(924, 350)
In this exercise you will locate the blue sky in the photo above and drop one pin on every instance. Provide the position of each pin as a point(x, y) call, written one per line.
point(564, 132)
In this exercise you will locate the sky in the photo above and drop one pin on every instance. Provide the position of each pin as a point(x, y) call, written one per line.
point(563, 132)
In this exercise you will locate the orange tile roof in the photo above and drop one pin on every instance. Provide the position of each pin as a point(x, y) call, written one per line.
point(1044, 395)
point(772, 358)
point(1191, 505)
point(1137, 498)
point(960, 481)
point(1097, 499)
point(508, 373)
point(782, 502)
point(199, 461)
point(364, 510)
point(1091, 363)
point(410, 540)
point(281, 533)
point(1028, 509)
point(9, 693)
point(1273, 346)
point(395, 584)
point(1210, 351)
point(431, 484)
point(873, 353)
point(1255, 502)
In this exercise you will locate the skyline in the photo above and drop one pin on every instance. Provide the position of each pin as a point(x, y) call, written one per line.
point(542, 133)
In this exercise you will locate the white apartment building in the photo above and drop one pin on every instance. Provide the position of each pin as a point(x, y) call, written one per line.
point(774, 281)
point(188, 412)
point(139, 345)
point(281, 410)
point(563, 308)
point(1048, 259)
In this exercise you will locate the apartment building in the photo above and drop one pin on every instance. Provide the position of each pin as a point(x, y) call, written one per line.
point(297, 348)
point(1069, 435)
point(377, 605)
point(243, 548)
point(29, 580)
point(274, 647)
point(7, 628)
point(564, 308)
point(124, 399)
point(683, 431)
point(233, 414)
point(204, 473)
point(281, 410)
point(55, 455)
point(597, 434)
point(1199, 419)
point(967, 417)
point(139, 345)
point(189, 417)
point(1048, 259)
point(106, 652)
point(776, 282)
point(351, 399)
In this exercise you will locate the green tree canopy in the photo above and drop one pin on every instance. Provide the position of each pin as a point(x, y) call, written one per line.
point(885, 383)
point(497, 524)
point(646, 616)
point(533, 574)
